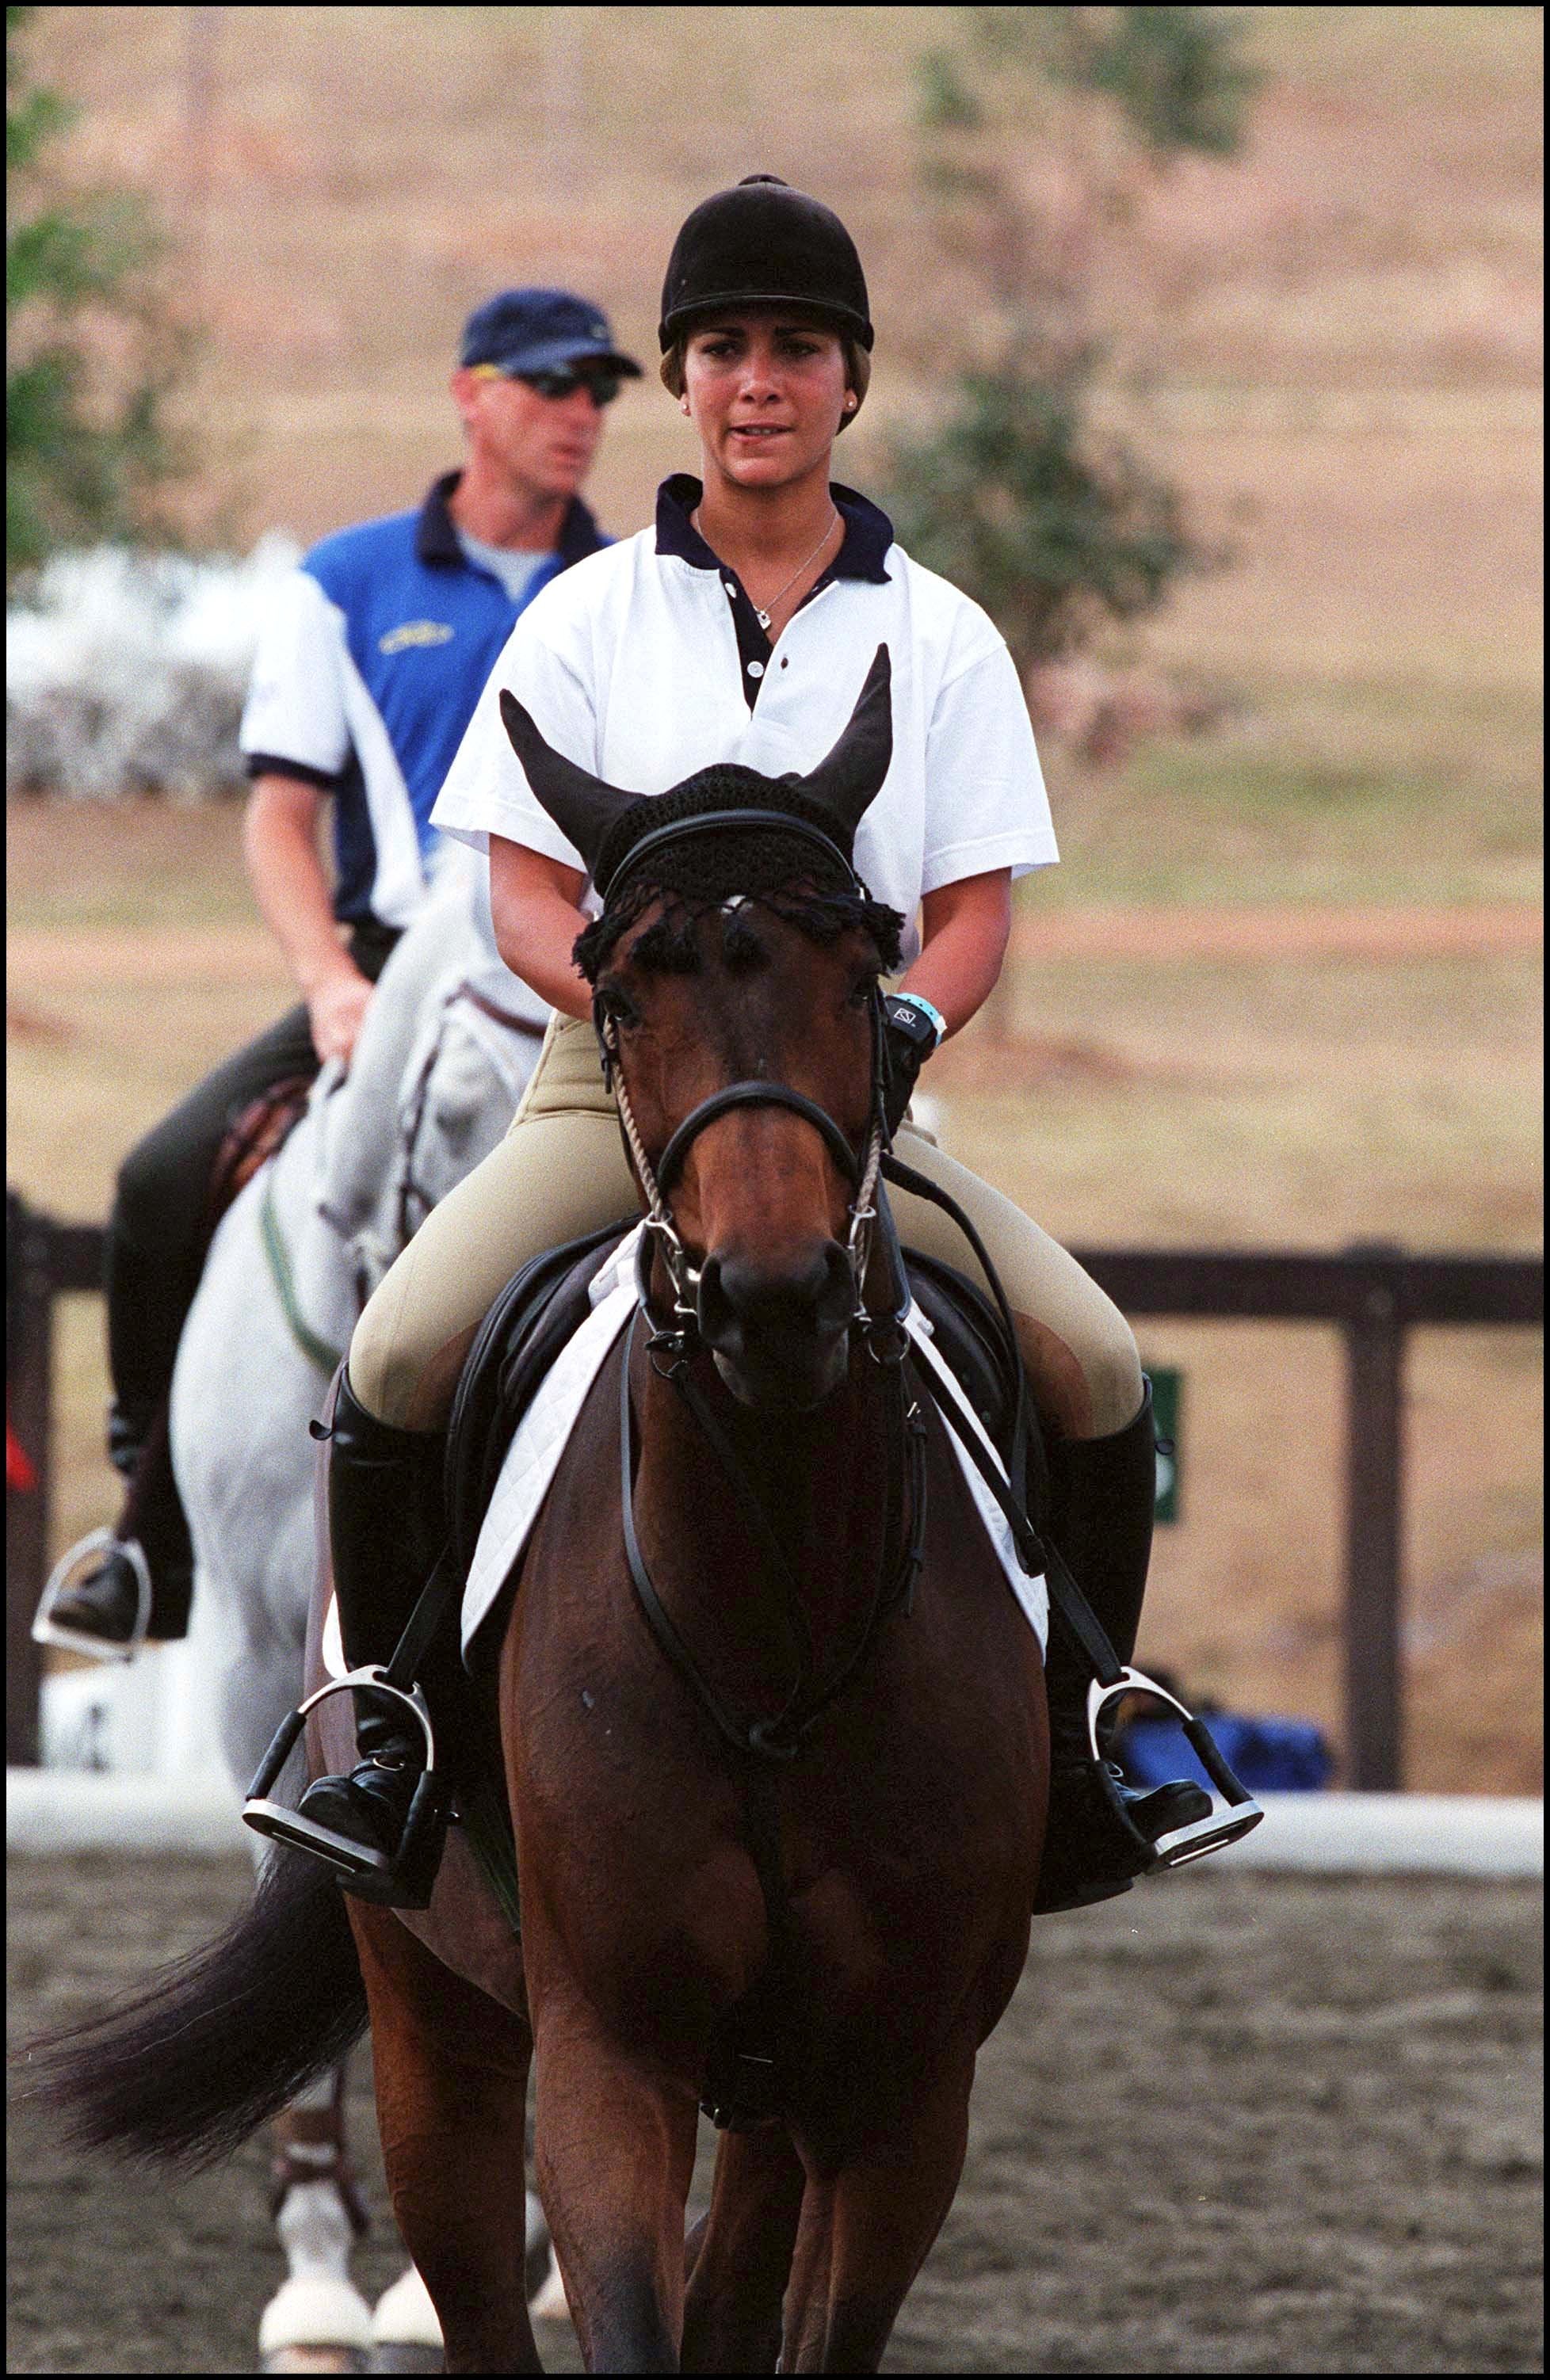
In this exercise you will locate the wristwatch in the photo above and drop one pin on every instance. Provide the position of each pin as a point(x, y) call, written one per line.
point(914, 1017)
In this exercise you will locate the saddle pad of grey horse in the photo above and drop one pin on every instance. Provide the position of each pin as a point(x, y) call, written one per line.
point(532, 1457)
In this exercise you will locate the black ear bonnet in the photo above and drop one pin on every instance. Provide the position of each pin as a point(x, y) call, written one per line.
point(726, 785)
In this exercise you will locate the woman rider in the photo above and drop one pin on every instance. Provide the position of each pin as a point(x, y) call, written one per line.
point(741, 629)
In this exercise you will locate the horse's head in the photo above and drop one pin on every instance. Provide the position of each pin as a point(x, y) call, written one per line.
point(736, 947)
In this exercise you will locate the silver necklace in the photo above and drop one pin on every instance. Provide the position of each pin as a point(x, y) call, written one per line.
point(764, 616)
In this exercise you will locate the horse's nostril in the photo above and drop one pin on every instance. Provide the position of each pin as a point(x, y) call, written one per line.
point(740, 1297)
point(714, 1308)
point(837, 1302)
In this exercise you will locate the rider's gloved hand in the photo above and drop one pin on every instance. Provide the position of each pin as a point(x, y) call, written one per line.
point(911, 1030)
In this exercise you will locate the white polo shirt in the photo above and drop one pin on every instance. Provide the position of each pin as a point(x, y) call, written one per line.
point(643, 664)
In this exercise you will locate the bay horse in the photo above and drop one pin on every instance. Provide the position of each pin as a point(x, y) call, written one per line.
point(771, 1720)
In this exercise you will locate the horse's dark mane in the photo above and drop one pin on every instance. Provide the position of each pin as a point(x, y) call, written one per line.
point(756, 867)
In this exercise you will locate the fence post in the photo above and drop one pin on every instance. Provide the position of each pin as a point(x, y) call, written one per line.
point(29, 1365)
point(1374, 1336)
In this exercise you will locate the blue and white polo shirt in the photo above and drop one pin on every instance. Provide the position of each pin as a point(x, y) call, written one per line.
point(369, 665)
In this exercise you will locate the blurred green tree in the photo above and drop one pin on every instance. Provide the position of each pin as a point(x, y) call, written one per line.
point(1044, 130)
point(1012, 499)
point(92, 353)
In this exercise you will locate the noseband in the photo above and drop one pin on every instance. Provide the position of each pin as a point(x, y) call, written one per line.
point(656, 1182)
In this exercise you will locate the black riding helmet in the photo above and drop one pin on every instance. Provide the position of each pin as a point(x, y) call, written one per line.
point(764, 244)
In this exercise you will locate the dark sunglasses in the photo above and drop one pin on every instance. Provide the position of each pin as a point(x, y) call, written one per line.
point(601, 387)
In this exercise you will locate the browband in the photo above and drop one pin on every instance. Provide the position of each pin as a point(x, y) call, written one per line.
point(780, 822)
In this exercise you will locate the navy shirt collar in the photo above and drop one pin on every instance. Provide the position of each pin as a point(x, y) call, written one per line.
point(868, 531)
point(435, 535)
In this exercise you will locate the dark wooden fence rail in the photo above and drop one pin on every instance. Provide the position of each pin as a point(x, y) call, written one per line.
point(1374, 1294)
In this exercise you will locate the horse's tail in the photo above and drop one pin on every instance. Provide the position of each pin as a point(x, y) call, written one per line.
point(186, 2070)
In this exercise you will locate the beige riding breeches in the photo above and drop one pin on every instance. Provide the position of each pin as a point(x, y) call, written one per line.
point(562, 1171)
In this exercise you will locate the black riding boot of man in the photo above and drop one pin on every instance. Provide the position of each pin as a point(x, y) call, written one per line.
point(387, 1525)
point(1103, 1495)
point(104, 1605)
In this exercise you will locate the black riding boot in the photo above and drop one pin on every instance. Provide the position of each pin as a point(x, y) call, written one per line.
point(101, 1609)
point(386, 1526)
point(1102, 1494)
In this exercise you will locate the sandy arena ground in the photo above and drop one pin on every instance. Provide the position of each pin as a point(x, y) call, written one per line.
point(1230, 2124)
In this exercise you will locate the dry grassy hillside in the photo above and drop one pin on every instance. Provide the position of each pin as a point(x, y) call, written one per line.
point(1354, 381)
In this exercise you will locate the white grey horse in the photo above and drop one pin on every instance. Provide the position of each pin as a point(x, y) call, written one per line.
point(449, 1041)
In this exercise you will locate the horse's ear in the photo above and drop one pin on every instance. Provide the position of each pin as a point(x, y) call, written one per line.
point(581, 805)
point(852, 774)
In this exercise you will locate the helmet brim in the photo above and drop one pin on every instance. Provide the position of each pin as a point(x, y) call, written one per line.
point(843, 318)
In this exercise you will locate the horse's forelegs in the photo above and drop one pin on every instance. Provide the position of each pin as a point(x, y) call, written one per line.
point(615, 2151)
point(452, 2078)
point(742, 2255)
point(866, 2225)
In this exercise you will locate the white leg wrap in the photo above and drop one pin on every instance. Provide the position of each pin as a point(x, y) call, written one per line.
point(319, 2307)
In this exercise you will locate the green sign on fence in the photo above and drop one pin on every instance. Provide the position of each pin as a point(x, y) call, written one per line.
point(1168, 1384)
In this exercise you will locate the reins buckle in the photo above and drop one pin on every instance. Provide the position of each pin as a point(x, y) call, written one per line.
point(883, 1336)
point(1228, 1823)
point(675, 1346)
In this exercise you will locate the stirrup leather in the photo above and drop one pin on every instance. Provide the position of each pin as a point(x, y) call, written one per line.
point(46, 1631)
point(1239, 1815)
point(401, 1878)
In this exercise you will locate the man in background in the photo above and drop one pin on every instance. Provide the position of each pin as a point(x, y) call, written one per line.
point(369, 666)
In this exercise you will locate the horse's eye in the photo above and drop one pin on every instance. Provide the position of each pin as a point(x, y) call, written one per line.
point(860, 993)
point(619, 1006)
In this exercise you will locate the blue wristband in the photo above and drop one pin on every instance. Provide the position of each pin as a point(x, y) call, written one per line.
point(933, 1016)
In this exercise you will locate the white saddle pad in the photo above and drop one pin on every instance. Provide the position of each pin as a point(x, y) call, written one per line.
point(533, 1456)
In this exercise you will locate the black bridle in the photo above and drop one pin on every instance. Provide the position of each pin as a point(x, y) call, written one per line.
point(656, 1178)
point(673, 1343)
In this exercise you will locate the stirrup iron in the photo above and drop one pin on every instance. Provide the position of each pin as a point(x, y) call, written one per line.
point(44, 1629)
point(384, 1877)
point(1241, 1814)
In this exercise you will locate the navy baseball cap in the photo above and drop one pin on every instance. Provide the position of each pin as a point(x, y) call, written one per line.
point(542, 330)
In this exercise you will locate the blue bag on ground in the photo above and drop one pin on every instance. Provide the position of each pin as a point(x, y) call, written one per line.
point(1271, 1756)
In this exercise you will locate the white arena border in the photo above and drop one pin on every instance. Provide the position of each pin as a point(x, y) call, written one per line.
point(55, 1811)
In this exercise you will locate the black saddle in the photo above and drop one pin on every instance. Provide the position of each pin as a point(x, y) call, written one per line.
point(540, 1310)
point(544, 1305)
